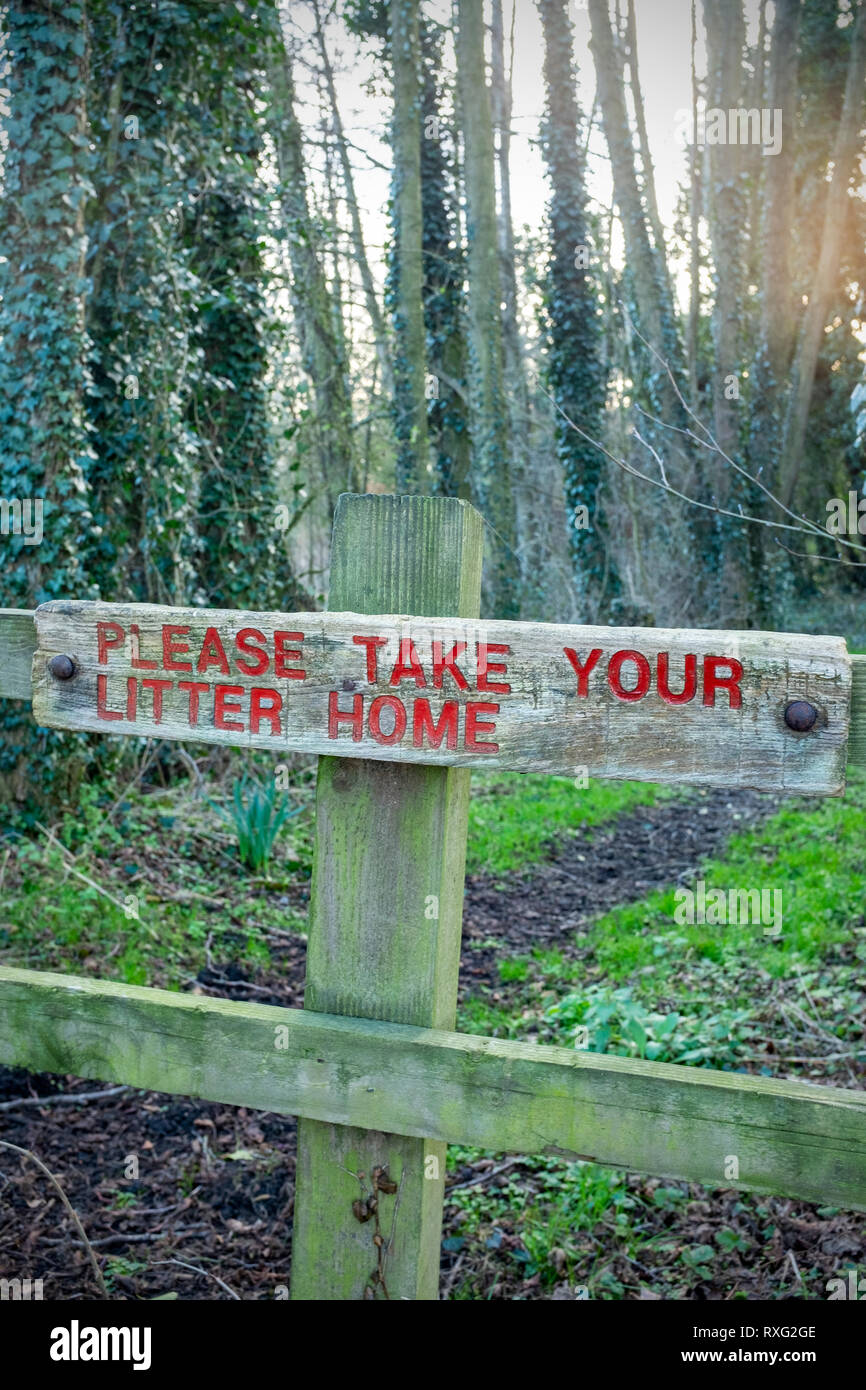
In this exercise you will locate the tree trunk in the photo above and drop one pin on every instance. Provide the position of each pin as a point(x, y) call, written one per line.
point(407, 274)
point(371, 299)
point(695, 201)
point(726, 208)
point(321, 347)
point(577, 373)
point(491, 481)
point(649, 186)
point(835, 208)
point(520, 424)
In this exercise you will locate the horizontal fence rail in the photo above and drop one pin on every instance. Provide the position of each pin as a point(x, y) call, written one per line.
point(787, 1137)
point(18, 644)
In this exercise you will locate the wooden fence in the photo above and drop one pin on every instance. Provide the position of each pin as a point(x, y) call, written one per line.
point(372, 1065)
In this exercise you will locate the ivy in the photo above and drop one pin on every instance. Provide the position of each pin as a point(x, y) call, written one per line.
point(45, 445)
point(575, 366)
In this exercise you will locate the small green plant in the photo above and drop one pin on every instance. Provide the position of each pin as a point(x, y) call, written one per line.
point(612, 1021)
point(257, 819)
point(121, 1200)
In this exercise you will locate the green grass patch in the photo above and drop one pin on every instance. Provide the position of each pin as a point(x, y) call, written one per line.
point(515, 818)
point(813, 856)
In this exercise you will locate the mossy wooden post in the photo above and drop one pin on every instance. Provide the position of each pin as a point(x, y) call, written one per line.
point(385, 913)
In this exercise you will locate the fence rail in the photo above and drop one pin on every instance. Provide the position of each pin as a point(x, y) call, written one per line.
point(788, 1137)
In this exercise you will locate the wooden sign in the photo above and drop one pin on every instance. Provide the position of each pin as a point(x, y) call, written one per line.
point(745, 709)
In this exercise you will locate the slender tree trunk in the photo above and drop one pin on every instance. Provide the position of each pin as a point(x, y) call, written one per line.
point(777, 310)
point(654, 301)
point(725, 30)
point(371, 298)
point(491, 481)
point(444, 285)
point(576, 371)
point(649, 186)
point(695, 201)
point(407, 277)
point(315, 315)
point(812, 327)
point(516, 385)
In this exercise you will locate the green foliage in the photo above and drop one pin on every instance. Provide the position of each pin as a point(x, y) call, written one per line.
point(814, 860)
point(257, 817)
point(516, 817)
point(183, 483)
point(619, 1024)
point(45, 447)
point(444, 275)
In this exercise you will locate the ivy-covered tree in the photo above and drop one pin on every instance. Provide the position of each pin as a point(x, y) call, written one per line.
point(491, 480)
point(406, 270)
point(45, 451)
point(576, 368)
point(444, 279)
point(239, 563)
point(182, 483)
point(144, 360)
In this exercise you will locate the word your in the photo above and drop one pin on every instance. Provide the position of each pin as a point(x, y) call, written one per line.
point(737, 906)
point(847, 519)
point(737, 126)
point(714, 676)
point(19, 518)
point(21, 1290)
point(77, 1343)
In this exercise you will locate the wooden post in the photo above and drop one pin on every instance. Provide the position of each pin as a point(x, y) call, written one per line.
point(385, 917)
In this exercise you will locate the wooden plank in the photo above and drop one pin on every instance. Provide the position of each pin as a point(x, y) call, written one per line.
point(790, 1137)
point(386, 907)
point(699, 707)
point(857, 733)
point(17, 646)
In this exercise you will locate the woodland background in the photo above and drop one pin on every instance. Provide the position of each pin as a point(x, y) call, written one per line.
point(201, 348)
point(214, 320)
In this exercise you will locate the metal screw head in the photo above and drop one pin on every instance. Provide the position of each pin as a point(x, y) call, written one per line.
point(62, 668)
point(800, 716)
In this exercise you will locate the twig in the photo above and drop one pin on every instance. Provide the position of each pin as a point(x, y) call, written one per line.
point(64, 1098)
point(136, 1237)
point(77, 872)
point(206, 1272)
point(792, 1257)
point(28, 1153)
point(483, 1177)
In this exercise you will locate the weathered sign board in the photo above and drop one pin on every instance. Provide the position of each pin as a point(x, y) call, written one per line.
point(700, 707)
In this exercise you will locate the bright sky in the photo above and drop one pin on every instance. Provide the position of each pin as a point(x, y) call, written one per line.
point(664, 28)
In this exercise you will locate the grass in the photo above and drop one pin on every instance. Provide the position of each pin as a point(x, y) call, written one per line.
point(151, 894)
point(515, 817)
point(728, 996)
point(812, 853)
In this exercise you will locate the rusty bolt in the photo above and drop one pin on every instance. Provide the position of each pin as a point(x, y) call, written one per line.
point(62, 668)
point(800, 716)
